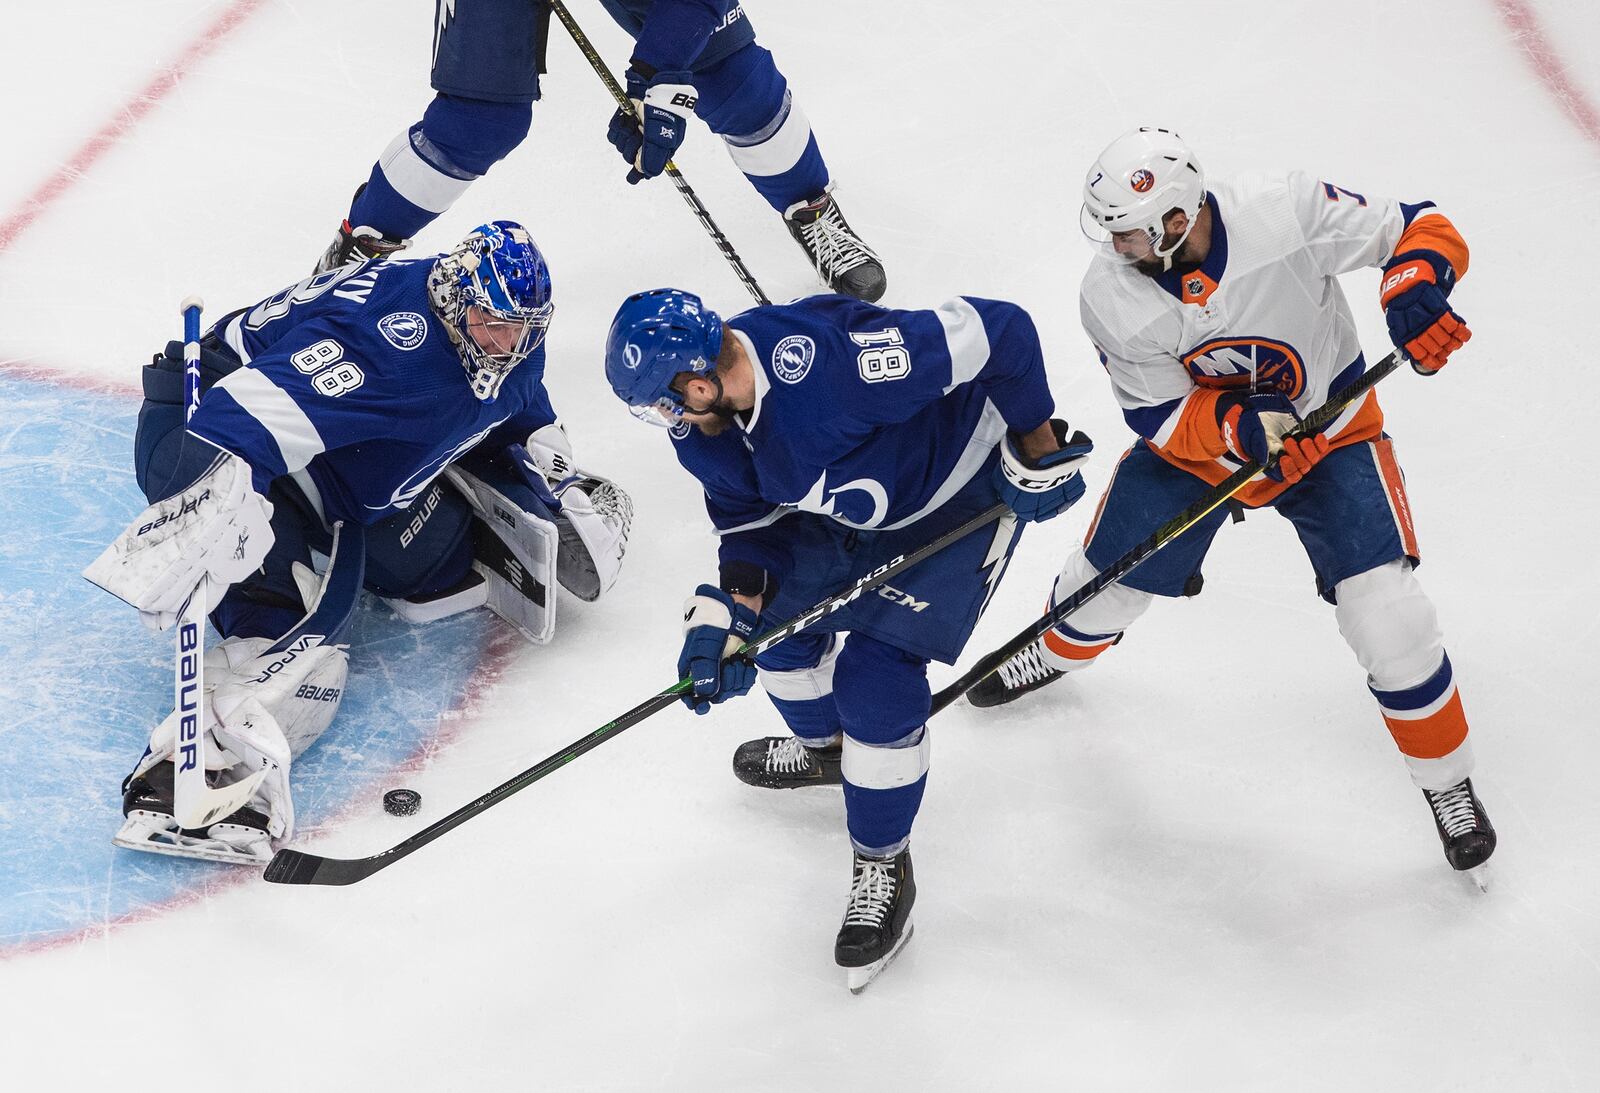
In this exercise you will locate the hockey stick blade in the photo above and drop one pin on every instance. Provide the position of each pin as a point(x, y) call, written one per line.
point(1318, 419)
point(297, 867)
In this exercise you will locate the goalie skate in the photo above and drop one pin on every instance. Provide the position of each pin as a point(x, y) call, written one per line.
point(148, 825)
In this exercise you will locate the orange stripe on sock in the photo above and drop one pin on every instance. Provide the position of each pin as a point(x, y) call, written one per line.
point(1068, 650)
point(1434, 736)
point(1394, 484)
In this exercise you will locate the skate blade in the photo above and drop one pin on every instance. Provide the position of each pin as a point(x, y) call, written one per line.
point(859, 979)
point(1477, 878)
point(153, 837)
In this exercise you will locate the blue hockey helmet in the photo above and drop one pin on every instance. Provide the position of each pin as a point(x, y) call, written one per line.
point(655, 336)
point(497, 270)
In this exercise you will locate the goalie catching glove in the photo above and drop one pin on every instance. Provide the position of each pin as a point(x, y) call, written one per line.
point(199, 541)
point(593, 514)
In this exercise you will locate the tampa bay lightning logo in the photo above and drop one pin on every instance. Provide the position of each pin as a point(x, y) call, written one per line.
point(680, 429)
point(409, 490)
point(792, 357)
point(403, 329)
point(631, 356)
point(1260, 364)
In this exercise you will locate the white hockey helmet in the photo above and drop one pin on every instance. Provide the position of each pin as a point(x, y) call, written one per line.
point(1138, 179)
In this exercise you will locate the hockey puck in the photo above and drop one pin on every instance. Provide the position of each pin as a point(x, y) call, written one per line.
point(402, 802)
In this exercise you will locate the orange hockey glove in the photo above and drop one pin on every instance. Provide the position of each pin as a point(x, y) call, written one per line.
point(1419, 316)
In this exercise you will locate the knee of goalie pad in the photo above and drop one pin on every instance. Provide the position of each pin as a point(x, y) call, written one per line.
point(1390, 624)
point(514, 545)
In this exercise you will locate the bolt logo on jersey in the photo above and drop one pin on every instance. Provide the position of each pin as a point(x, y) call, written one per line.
point(1141, 181)
point(1259, 364)
point(403, 329)
point(792, 357)
point(409, 490)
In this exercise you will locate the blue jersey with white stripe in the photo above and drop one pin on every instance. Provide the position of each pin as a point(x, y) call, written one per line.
point(871, 416)
point(353, 387)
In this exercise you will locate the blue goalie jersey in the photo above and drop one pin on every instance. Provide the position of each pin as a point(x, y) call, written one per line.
point(873, 417)
point(353, 387)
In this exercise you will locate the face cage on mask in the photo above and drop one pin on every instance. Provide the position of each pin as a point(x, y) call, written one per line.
point(489, 370)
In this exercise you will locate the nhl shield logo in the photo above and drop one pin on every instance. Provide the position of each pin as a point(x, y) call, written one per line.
point(404, 329)
point(1141, 181)
point(792, 357)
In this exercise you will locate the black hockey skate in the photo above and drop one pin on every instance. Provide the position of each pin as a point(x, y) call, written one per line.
point(782, 762)
point(1024, 672)
point(877, 918)
point(361, 244)
point(842, 261)
point(1463, 825)
point(149, 824)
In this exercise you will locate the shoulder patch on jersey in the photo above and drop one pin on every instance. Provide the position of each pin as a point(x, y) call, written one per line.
point(404, 329)
point(792, 357)
point(679, 430)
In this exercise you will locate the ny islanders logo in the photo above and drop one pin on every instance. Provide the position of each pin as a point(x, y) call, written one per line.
point(792, 357)
point(1141, 181)
point(404, 329)
point(1258, 363)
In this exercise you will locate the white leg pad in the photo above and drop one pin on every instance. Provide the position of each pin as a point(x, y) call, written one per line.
point(1390, 624)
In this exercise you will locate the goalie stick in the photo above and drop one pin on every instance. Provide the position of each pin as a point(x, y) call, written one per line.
point(1318, 419)
point(290, 866)
point(691, 198)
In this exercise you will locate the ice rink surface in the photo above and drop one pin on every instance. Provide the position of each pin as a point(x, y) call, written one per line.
point(1200, 866)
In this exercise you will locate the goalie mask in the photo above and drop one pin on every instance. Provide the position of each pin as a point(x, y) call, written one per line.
point(1140, 178)
point(492, 292)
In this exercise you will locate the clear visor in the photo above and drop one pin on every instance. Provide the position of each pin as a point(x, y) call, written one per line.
point(665, 411)
point(1137, 244)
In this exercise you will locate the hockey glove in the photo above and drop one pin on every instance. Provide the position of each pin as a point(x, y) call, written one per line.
point(1420, 319)
point(649, 135)
point(1037, 489)
point(714, 625)
point(1256, 427)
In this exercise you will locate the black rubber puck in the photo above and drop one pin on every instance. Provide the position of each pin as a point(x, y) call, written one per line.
point(402, 802)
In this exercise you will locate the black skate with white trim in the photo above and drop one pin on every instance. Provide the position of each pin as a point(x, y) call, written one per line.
point(877, 917)
point(1463, 826)
point(149, 825)
point(783, 762)
point(358, 244)
point(842, 261)
point(1024, 672)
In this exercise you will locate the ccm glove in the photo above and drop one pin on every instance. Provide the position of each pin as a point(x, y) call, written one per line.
point(714, 625)
point(1037, 489)
point(1255, 428)
point(1420, 319)
point(649, 135)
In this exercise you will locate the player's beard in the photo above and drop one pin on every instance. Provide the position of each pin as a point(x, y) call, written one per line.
point(714, 419)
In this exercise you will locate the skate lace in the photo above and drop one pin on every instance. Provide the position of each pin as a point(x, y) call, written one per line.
point(1454, 809)
point(833, 246)
point(1024, 668)
point(788, 756)
point(871, 893)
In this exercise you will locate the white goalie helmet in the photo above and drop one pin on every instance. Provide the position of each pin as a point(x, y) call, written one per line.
point(1138, 179)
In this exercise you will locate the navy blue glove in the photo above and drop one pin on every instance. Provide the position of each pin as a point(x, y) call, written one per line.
point(714, 625)
point(1418, 312)
point(1255, 428)
point(1048, 486)
point(649, 135)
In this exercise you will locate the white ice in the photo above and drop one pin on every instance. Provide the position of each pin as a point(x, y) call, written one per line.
point(1200, 866)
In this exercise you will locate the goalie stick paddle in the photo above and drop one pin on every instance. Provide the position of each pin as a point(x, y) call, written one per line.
point(691, 198)
point(290, 866)
point(1318, 419)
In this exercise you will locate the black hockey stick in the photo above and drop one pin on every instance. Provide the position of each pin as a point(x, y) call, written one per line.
point(1320, 418)
point(297, 867)
point(689, 196)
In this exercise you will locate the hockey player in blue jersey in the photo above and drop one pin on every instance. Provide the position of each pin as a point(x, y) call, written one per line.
point(391, 417)
point(829, 436)
point(690, 56)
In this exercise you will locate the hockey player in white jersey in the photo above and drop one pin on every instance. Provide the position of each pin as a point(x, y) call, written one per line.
point(831, 436)
point(391, 418)
point(1216, 310)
